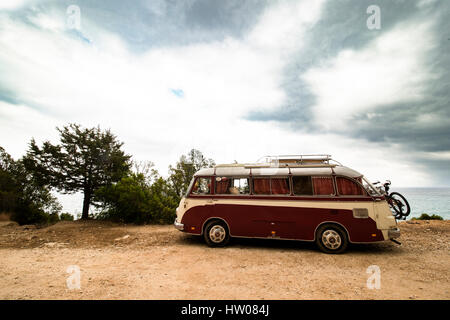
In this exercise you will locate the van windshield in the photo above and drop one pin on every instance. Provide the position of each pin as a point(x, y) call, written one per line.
point(190, 187)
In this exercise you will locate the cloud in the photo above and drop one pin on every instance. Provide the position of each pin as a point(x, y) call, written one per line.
point(390, 69)
point(167, 97)
point(13, 4)
point(61, 77)
point(387, 87)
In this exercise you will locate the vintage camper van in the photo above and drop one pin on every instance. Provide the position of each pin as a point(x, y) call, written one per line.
point(306, 197)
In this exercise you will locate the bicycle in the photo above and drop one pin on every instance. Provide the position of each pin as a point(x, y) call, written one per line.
point(397, 202)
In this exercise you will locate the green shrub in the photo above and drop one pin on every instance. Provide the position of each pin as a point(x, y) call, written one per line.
point(134, 200)
point(425, 216)
point(66, 217)
point(53, 218)
point(26, 213)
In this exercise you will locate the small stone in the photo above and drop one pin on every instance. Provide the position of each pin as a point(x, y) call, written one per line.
point(50, 244)
point(122, 238)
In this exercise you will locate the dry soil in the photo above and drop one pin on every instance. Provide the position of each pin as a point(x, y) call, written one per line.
point(159, 262)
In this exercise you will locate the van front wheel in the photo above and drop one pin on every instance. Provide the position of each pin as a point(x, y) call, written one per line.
point(216, 234)
point(331, 239)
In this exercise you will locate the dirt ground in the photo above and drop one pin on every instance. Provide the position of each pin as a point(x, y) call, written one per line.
point(159, 262)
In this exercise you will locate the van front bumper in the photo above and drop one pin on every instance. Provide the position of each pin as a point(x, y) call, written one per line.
point(178, 225)
point(394, 233)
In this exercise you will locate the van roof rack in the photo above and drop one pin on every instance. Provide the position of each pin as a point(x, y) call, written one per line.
point(293, 161)
point(297, 158)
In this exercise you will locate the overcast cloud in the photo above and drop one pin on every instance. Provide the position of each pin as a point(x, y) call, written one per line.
point(236, 79)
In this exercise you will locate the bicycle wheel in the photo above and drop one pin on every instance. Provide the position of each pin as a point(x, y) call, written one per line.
point(395, 207)
point(400, 205)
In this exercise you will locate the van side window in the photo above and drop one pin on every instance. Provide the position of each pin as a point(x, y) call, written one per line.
point(226, 185)
point(202, 186)
point(302, 185)
point(323, 186)
point(261, 185)
point(271, 186)
point(279, 186)
point(347, 187)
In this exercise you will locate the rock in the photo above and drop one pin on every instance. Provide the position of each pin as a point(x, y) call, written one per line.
point(54, 244)
point(122, 238)
point(50, 244)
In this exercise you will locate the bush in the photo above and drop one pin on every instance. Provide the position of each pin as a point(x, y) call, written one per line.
point(425, 216)
point(29, 214)
point(66, 217)
point(53, 218)
point(133, 200)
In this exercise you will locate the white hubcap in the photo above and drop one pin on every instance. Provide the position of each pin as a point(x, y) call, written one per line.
point(217, 234)
point(331, 239)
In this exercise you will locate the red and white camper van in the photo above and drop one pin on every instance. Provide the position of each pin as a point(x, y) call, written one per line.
point(304, 197)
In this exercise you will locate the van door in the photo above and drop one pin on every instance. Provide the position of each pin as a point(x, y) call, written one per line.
point(283, 222)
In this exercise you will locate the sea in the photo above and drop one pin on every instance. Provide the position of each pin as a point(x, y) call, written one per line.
point(427, 200)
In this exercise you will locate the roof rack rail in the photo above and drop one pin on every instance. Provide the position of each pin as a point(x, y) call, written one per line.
point(293, 161)
point(298, 159)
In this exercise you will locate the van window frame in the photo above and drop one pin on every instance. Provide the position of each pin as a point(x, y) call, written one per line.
point(233, 195)
point(301, 195)
point(366, 195)
point(333, 183)
point(270, 184)
point(211, 189)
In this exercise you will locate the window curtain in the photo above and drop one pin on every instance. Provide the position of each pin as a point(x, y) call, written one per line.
point(261, 186)
point(280, 186)
point(323, 186)
point(348, 188)
point(222, 186)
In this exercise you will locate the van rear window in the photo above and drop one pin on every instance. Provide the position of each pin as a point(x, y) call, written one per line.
point(347, 187)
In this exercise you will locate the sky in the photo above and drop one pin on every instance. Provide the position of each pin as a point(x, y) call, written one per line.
point(236, 79)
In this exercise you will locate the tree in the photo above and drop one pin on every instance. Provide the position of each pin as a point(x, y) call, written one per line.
point(184, 170)
point(85, 160)
point(163, 201)
point(9, 189)
point(125, 201)
point(146, 168)
point(21, 195)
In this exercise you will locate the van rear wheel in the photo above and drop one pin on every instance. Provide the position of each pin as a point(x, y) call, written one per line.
point(331, 239)
point(216, 234)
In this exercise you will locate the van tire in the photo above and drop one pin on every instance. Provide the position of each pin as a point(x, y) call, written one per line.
point(216, 234)
point(331, 238)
